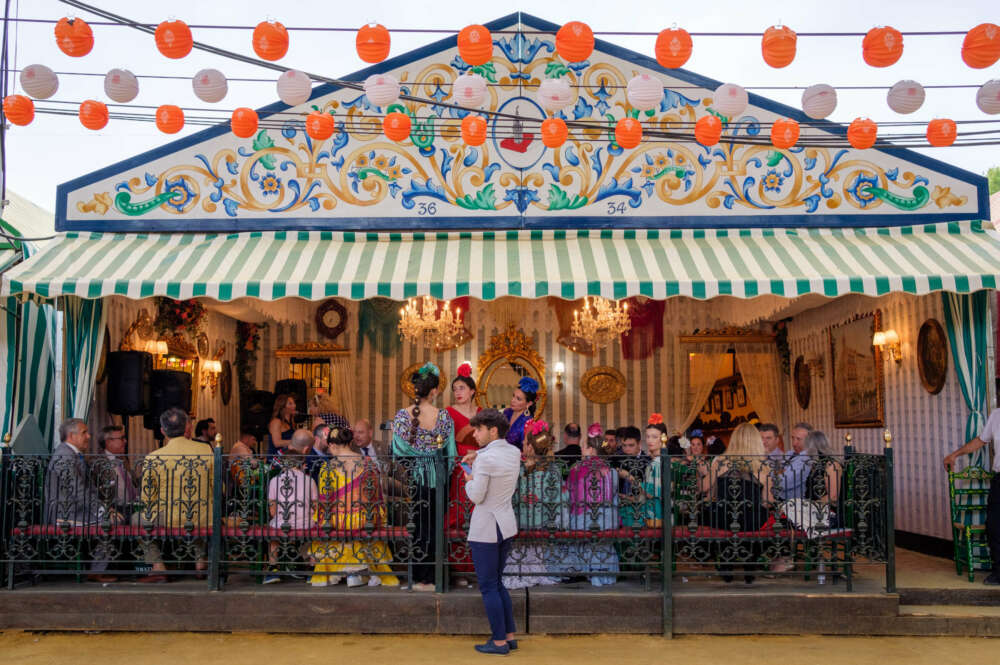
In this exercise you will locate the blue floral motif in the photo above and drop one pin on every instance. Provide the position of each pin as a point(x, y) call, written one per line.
point(673, 100)
point(429, 188)
point(521, 197)
point(582, 109)
point(624, 189)
point(596, 163)
point(552, 170)
point(602, 99)
point(892, 174)
point(460, 65)
point(180, 186)
point(517, 49)
point(270, 184)
point(812, 202)
point(215, 196)
point(230, 205)
point(151, 180)
point(859, 189)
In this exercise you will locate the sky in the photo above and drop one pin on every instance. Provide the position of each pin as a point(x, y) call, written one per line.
point(54, 149)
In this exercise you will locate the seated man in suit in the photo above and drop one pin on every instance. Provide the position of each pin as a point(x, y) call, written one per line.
point(176, 490)
point(70, 496)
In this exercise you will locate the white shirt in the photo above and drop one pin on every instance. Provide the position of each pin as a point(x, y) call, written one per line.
point(494, 479)
point(991, 434)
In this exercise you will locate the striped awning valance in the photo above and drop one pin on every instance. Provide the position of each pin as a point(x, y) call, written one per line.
point(958, 256)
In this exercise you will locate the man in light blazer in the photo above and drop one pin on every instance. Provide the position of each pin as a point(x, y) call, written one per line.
point(493, 525)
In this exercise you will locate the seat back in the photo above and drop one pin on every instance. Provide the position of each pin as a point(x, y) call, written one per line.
point(968, 491)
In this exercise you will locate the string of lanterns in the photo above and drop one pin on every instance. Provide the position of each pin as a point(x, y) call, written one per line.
point(882, 46)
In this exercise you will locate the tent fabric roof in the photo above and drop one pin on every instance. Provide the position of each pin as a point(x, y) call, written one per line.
point(955, 256)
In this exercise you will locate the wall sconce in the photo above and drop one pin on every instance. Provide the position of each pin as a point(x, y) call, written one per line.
point(560, 371)
point(888, 340)
point(816, 364)
point(210, 375)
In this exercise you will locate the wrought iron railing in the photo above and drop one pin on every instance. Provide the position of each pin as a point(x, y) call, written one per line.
point(405, 519)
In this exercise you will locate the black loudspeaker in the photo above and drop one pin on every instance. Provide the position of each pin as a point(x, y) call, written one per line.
point(128, 382)
point(295, 388)
point(167, 389)
point(256, 407)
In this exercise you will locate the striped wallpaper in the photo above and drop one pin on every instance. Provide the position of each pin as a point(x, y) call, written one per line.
point(925, 427)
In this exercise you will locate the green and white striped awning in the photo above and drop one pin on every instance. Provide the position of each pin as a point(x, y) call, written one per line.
point(959, 256)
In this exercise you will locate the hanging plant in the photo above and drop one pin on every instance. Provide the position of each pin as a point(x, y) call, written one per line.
point(173, 316)
point(247, 343)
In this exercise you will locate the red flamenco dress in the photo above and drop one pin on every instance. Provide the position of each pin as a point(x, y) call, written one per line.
point(459, 505)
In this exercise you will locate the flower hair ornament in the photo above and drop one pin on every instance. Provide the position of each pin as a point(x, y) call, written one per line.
point(684, 443)
point(536, 427)
point(429, 368)
point(595, 431)
point(465, 369)
point(528, 385)
point(655, 419)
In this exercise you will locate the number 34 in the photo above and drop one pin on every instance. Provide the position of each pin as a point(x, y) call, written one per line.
point(616, 208)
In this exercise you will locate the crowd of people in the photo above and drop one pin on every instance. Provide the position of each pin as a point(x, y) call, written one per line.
point(329, 471)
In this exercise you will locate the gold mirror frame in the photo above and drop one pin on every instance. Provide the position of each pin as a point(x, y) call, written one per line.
point(512, 345)
point(407, 386)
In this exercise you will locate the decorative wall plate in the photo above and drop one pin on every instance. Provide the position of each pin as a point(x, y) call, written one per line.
point(202, 341)
point(331, 319)
point(802, 376)
point(407, 387)
point(603, 384)
point(932, 356)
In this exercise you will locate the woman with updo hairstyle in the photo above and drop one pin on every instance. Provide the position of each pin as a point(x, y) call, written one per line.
point(540, 505)
point(350, 497)
point(521, 410)
point(418, 432)
point(463, 408)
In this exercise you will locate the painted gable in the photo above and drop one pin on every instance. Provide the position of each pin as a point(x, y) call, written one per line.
point(358, 179)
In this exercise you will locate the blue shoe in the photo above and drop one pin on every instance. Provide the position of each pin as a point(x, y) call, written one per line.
point(512, 645)
point(493, 649)
point(271, 579)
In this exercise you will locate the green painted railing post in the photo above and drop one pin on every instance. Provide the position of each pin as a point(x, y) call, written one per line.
point(440, 496)
point(890, 517)
point(215, 548)
point(667, 543)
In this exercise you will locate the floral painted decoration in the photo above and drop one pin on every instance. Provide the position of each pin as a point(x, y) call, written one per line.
point(595, 431)
point(656, 419)
point(528, 385)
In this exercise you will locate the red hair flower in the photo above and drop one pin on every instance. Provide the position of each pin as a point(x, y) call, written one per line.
point(465, 369)
point(656, 419)
point(595, 431)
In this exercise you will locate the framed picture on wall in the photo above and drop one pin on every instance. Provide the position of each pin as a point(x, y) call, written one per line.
point(716, 402)
point(858, 383)
point(741, 395)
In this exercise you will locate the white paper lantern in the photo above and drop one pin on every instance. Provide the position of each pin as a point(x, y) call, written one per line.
point(469, 90)
point(210, 85)
point(644, 92)
point(988, 97)
point(555, 94)
point(905, 97)
point(39, 81)
point(381, 89)
point(819, 101)
point(294, 87)
point(121, 85)
point(730, 100)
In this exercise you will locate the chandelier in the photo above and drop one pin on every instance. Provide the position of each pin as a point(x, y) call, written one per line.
point(601, 321)
point(421, 323)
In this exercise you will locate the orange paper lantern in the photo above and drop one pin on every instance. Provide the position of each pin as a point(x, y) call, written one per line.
point(270, 40)
point(93, 114)
point(475, 45)
point(169, 119)
point(981, 46)
point(173, 39)
point(320, 126)
point(673, 48)
point(554, 132)
point(778, 46)
point(74, 37)
point(708, 130)
point(244, 122)
point(396, 126)
point(20, 110)
point(941, 132)
point(373, 43)
point(882, 47)
point(575, 41)
point(784, 133)
point(628, 133)
point(862, 133)
point(473, 130)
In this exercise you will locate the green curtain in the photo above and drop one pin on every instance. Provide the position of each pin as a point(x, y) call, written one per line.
point(36, 368)
point(378, 323)
point(83, 322)
point(967, 322)
point(8, 351)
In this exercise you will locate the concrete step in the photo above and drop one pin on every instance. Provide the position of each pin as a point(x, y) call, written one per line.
point(974, 594)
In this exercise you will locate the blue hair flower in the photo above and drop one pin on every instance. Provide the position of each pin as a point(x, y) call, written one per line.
point(429, 368)
point(528, 385)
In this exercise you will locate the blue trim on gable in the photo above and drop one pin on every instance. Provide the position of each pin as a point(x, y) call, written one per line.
point(527, 220)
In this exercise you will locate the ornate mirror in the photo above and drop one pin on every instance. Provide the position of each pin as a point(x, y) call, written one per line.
point(510, 356)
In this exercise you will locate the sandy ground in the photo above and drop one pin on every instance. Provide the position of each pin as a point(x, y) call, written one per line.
point(252, 648)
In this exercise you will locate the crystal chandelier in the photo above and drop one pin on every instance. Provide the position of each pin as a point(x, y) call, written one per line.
point(601, 321)
point(421, 323)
